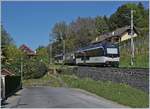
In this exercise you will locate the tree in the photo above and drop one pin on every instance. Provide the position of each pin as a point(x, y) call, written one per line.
point(140, 5)
point(76, 34)
point(122, 17)
point(83, 30)
point(5, 41)
point(5, 37)
point(107, 22)
point(101, 25)
point(13, 57)
point(34, 68)
point(59, 31)
point(42, 54)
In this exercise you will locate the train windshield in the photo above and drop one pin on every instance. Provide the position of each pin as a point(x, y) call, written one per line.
point(112, 51)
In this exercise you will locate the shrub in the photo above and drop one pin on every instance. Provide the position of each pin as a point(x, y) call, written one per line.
point(34, 69)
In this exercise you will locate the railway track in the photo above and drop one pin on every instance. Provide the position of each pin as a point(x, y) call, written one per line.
point(103, 67)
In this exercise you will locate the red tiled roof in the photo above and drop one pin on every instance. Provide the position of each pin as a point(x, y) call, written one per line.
point(6, 72)
point(27, 50)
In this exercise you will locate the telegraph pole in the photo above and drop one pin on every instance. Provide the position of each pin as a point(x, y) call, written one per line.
point(132, 43)
point(64, 49)
point(21, 70)
point(50, 50)
point(63, 42)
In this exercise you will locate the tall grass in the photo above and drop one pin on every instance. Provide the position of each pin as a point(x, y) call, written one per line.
point(141, 59)
point(120, 93)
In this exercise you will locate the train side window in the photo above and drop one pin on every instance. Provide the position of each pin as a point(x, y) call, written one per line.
point(101, 52)
point(82, 58)
point(85, 58)
point(95, 52)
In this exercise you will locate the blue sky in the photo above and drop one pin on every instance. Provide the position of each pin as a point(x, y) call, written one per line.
point(31, 22)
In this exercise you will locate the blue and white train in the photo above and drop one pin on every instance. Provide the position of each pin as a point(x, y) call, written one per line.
point(101, 54)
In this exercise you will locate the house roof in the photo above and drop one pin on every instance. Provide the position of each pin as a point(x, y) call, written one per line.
point(117, 33)
point(6, 72)
point(27, 50)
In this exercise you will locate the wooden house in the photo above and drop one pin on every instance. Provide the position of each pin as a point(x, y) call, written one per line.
point(119, 35)
point(27, 50)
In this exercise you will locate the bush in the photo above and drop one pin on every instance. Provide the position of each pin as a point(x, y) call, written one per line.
point(34, 69)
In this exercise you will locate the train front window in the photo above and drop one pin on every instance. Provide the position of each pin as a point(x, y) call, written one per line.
point(112, 51)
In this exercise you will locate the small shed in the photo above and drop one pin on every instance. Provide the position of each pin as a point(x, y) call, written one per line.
point(4, 73)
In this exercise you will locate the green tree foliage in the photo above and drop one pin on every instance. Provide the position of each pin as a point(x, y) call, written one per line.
point(122, 17)
point(36, 66)
point(5, 37)
point(56, 48)
point(33, 68)
point(5, 40)
point(102, 25)
point(13, 57)
point(76, 34)
point(60, 30)
point(83, 30)
point(42, 54)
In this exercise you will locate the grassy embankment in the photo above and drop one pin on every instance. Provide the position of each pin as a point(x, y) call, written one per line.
point(120, 93)
point(47, 80)
point(141, 53)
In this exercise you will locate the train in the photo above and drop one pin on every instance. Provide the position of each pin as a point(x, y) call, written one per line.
point(100, 54)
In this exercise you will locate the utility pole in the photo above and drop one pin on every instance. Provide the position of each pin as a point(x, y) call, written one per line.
point(21, 70)
point(63, 42)
point(64, 49)
point(50, 50)
point(132, 42)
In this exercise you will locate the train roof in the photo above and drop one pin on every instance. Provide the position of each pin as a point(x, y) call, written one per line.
point(90, 47)
point(95, 46)
point(59, 55)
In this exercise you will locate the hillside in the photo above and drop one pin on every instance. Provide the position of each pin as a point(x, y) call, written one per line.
point(141, 52)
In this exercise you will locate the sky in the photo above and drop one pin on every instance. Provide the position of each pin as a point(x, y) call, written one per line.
point(30, 22)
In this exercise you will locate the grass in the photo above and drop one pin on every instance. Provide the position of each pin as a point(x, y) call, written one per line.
point(58, 66)
point(120, 93)
point(47, 80)
point(141, 59)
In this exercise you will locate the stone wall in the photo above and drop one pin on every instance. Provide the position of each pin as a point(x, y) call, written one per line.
point(138, 78)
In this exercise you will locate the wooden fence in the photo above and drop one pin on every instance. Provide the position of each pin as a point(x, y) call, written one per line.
point(12, 84)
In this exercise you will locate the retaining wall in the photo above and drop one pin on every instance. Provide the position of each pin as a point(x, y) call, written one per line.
point(138, 78)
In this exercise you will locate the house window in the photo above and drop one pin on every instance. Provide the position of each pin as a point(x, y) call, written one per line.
point(117, 39)
point(129, 32)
